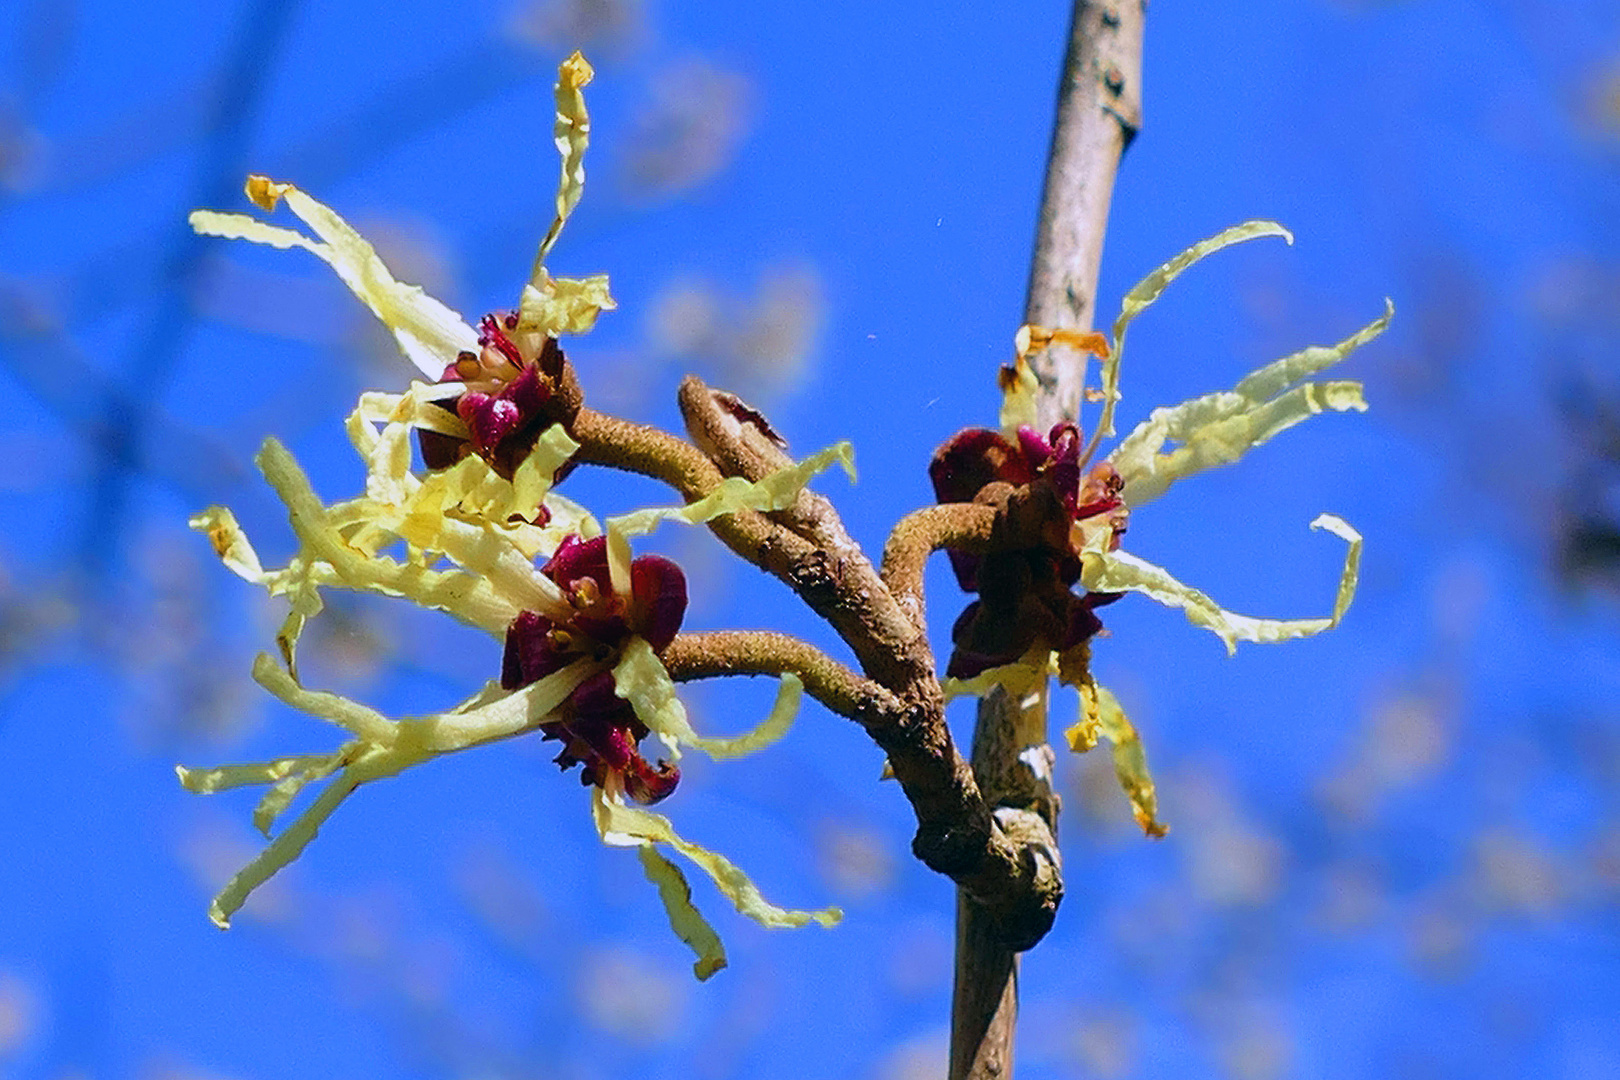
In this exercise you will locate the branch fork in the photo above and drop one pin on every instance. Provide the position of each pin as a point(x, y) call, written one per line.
point(1007, 866)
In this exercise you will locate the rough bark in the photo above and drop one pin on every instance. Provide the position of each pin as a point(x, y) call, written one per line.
point(896, 697)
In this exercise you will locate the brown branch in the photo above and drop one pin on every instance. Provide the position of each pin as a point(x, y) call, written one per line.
point(644, 449)
point(1098, 114)
point(957, 835)
point(649, 451)
point(839, 582)
point(742, 443)
point(736, 436)
point(966, 526)
point(766, 652)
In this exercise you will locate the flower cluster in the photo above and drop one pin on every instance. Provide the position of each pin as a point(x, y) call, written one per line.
point(582, 632)
point(1071, 513)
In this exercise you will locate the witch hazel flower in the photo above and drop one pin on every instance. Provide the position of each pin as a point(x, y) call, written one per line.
point(514, 393)
point(1026, 595)
point(582, 635)
point(1028, 622)
point(495, 389)
point(582, 632)
point(599, 729)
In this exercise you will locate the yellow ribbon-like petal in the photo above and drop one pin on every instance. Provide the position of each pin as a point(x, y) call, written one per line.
point(1217, 429)
point(1120, 571)
point(1102, 716)
point(1145, 292)
point(625, 826)
point(430, 333)
point(640, 678)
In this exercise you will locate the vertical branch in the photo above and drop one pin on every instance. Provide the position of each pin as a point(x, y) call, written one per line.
point(1098, 113)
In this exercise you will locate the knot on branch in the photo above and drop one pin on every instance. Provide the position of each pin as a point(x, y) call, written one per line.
point(736, 436)
point(812, 577)
point(1012, 870)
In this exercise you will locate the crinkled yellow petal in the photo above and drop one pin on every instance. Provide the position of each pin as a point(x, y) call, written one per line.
point(301, 587)
point(775, 492)
point(1279, 375)
point(430, 333)
point(555, 306)
point(230, 543)
point(398, 504)
point(625, 826)
point(282, 850)
point(365, 723)
point(491, 543)
point(549, 305)
point(386, 748)
point(685, 919)
point(488, 498)
point(1352, 562)
point(569, 518)
point(1019, 393)
point(1101, 715)
point(388, 473)
point(282, 793)
point(531, 482)
point(505, 715)
point(1019, 679)
point(419, 406)
point(496, 583)
point(501, 716)
point(641, 679)
point(298, 581)
point(572, 132)
point(234, 226)
point(488, 717)
point(1120, 571)
point(206, 781)
point(1219, 428)
point(1224, 441)
point(1085, 732)
point(1146, 292)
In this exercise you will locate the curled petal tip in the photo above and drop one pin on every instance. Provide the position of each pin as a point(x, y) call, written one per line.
point(264, 192)
point(576, 71)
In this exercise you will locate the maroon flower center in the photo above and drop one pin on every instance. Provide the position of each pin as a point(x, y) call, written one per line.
point(517, 385)
point(1026, 596)
point(598, 729)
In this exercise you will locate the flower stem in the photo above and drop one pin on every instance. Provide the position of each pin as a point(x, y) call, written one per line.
point(765, 652)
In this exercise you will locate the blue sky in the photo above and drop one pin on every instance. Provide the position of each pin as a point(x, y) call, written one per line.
point(1393, 848)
